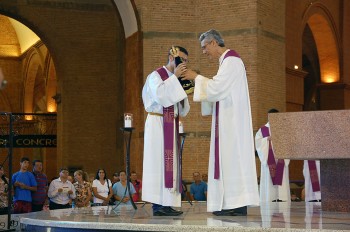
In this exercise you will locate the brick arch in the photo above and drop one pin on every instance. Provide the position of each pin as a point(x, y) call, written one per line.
point(33, 73)
point(9, 47)
point(51, 86)
point(9, 44)
point(133, 70)
point(86, 40)
point(326, 37)
point(128, 15)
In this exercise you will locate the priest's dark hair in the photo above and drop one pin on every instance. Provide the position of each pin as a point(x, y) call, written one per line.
point(272, 111)
point(182, 49)
point(211, 35)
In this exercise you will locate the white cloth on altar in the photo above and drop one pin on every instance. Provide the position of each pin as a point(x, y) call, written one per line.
point(157, 94)
point(268, 191)
point(237, 185)
point(310, 195)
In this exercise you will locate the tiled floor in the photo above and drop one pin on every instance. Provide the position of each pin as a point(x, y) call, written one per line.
point(295, 216)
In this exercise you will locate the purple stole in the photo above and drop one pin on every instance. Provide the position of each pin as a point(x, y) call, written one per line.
point(216, 154)
point(314, 176)
point(168, 132)
point(276, 171)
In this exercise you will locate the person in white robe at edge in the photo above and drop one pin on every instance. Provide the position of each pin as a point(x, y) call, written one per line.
point(274, 184)
point(3, 82)
point(312, 184)
point(232, 179)
point(162, 91)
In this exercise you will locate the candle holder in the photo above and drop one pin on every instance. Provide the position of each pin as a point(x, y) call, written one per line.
point(127, 132)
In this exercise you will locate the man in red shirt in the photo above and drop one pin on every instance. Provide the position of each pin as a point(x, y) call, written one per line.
point(39, 196)
point(137, 185)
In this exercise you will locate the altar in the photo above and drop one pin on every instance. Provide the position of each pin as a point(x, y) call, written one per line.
point(318, 135)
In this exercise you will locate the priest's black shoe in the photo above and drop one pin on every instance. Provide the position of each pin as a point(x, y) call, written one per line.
point(166, 212)
point(174, 210)
point(242, 211)
point(278, 200)
point(224, 212)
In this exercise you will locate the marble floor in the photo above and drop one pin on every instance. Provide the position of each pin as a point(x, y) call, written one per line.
point(279, 216)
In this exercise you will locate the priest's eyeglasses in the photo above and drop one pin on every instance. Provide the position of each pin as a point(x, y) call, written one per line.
point(184, 60)
point(205, 45)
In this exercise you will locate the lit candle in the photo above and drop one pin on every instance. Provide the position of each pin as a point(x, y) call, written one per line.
point(127, 120)
point(181, 127)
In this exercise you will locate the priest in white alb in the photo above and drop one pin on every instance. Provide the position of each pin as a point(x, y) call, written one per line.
point(232, 179)
point(165, 100)
point(274, 177)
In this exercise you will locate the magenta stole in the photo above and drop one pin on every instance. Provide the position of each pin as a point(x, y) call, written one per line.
point(314, 176)
point(216, 153)
point(276, 171)
point(168, 130)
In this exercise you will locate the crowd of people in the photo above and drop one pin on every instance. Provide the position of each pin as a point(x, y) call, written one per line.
point(33, 192)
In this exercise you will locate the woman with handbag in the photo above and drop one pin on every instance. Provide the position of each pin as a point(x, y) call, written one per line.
point(102, 188)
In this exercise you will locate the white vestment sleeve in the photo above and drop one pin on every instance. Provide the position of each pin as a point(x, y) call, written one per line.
point(167, 92)
point(207, 108)
point(262, 147)
point(158, 93)
point(200, 95)
point(221, 85)
point(185, 108)
point(200, 88)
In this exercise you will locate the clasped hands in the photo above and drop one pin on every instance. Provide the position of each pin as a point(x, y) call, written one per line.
point(184, 73)
point(61, 190)
point(19, 184)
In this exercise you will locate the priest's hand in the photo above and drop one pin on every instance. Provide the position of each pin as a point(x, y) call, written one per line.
point(180, 70)
point(189, 75)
